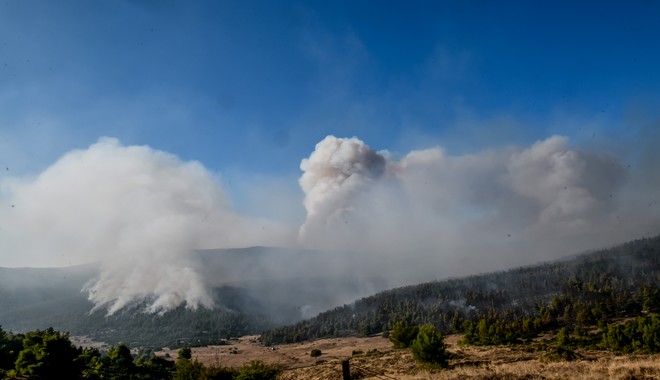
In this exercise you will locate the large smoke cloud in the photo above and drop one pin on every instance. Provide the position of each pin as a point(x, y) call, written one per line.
point(137, 211)
point(140, 213)
point(431, 215)
point(336, 172)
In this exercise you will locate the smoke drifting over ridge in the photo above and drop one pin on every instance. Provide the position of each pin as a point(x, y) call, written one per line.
point(431, 215)
point(141, 212)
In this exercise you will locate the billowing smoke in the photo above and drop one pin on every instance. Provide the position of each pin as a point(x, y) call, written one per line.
point(432, 215)
point(337, 171)
point(388, 221)
point(138, 212)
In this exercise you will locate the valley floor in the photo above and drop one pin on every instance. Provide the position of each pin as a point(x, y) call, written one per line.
point(374, 358)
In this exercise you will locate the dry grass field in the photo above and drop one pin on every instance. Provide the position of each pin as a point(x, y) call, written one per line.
point(374, 358)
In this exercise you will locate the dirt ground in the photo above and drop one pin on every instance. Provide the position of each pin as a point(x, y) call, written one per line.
point(243, 350)
point(374, 358)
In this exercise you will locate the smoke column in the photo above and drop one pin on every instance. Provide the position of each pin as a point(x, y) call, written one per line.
point(139, 212)
point(336, 172)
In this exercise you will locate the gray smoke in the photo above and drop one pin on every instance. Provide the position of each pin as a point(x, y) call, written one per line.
point(432, 215)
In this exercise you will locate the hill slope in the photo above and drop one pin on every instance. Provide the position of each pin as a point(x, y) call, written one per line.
point(619, 276)
point(260, 288)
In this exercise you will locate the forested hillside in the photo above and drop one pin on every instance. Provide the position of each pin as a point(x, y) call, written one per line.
point(256, 290)
point(584, 290)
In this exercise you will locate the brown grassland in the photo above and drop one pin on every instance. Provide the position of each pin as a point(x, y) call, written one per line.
point(374, 358)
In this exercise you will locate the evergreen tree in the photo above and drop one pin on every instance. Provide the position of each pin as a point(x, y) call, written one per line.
point(429, 348)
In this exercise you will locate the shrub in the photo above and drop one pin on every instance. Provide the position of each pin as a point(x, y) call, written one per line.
point(402, 335)
point(185, 353)
point(220, 373)
point(429, 348)
point(258, 370)
point(558, 354)
point(315, 352)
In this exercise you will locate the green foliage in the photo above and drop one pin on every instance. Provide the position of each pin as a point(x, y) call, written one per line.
point(47, 354)
point(154, 368)
point(315, 353)
point(185, 353)
point(10, 345)
point(403, 335)
point(219, 373)
point(558, 354)
point(497, 332)
point(117, 363)
point(90, 360)
point(258, 370)
point(186, 369)
point(429, 348)
point(639, 335)
point(562, 338)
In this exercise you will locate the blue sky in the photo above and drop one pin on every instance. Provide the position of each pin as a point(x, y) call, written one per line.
point(249, 87)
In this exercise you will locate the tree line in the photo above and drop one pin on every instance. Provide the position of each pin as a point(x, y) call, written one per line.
point(49, 354)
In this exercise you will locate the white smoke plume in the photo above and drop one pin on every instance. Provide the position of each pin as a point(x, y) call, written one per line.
point(336, 172)
point(432, 215)
point(138, 211)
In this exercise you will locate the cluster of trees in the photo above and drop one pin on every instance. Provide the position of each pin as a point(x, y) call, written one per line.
point(589, 312)
point(49, 354)
point(513, 306)
point(641, 334)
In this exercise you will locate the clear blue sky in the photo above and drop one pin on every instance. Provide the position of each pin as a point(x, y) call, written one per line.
point(252, 86)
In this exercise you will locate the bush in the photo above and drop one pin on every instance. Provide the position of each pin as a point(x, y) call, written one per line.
point(429, 348)
point(559, 354)
point(220, 373)
point(315, 353)
point(185, 353)
point(257, 370)
point(402, 335)
point(638, 335)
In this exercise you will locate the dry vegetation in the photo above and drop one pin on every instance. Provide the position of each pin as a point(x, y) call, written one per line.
point(498, 362)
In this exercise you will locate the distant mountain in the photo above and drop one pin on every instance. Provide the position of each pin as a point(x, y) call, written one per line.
point(30, 297)
point(255, 288)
